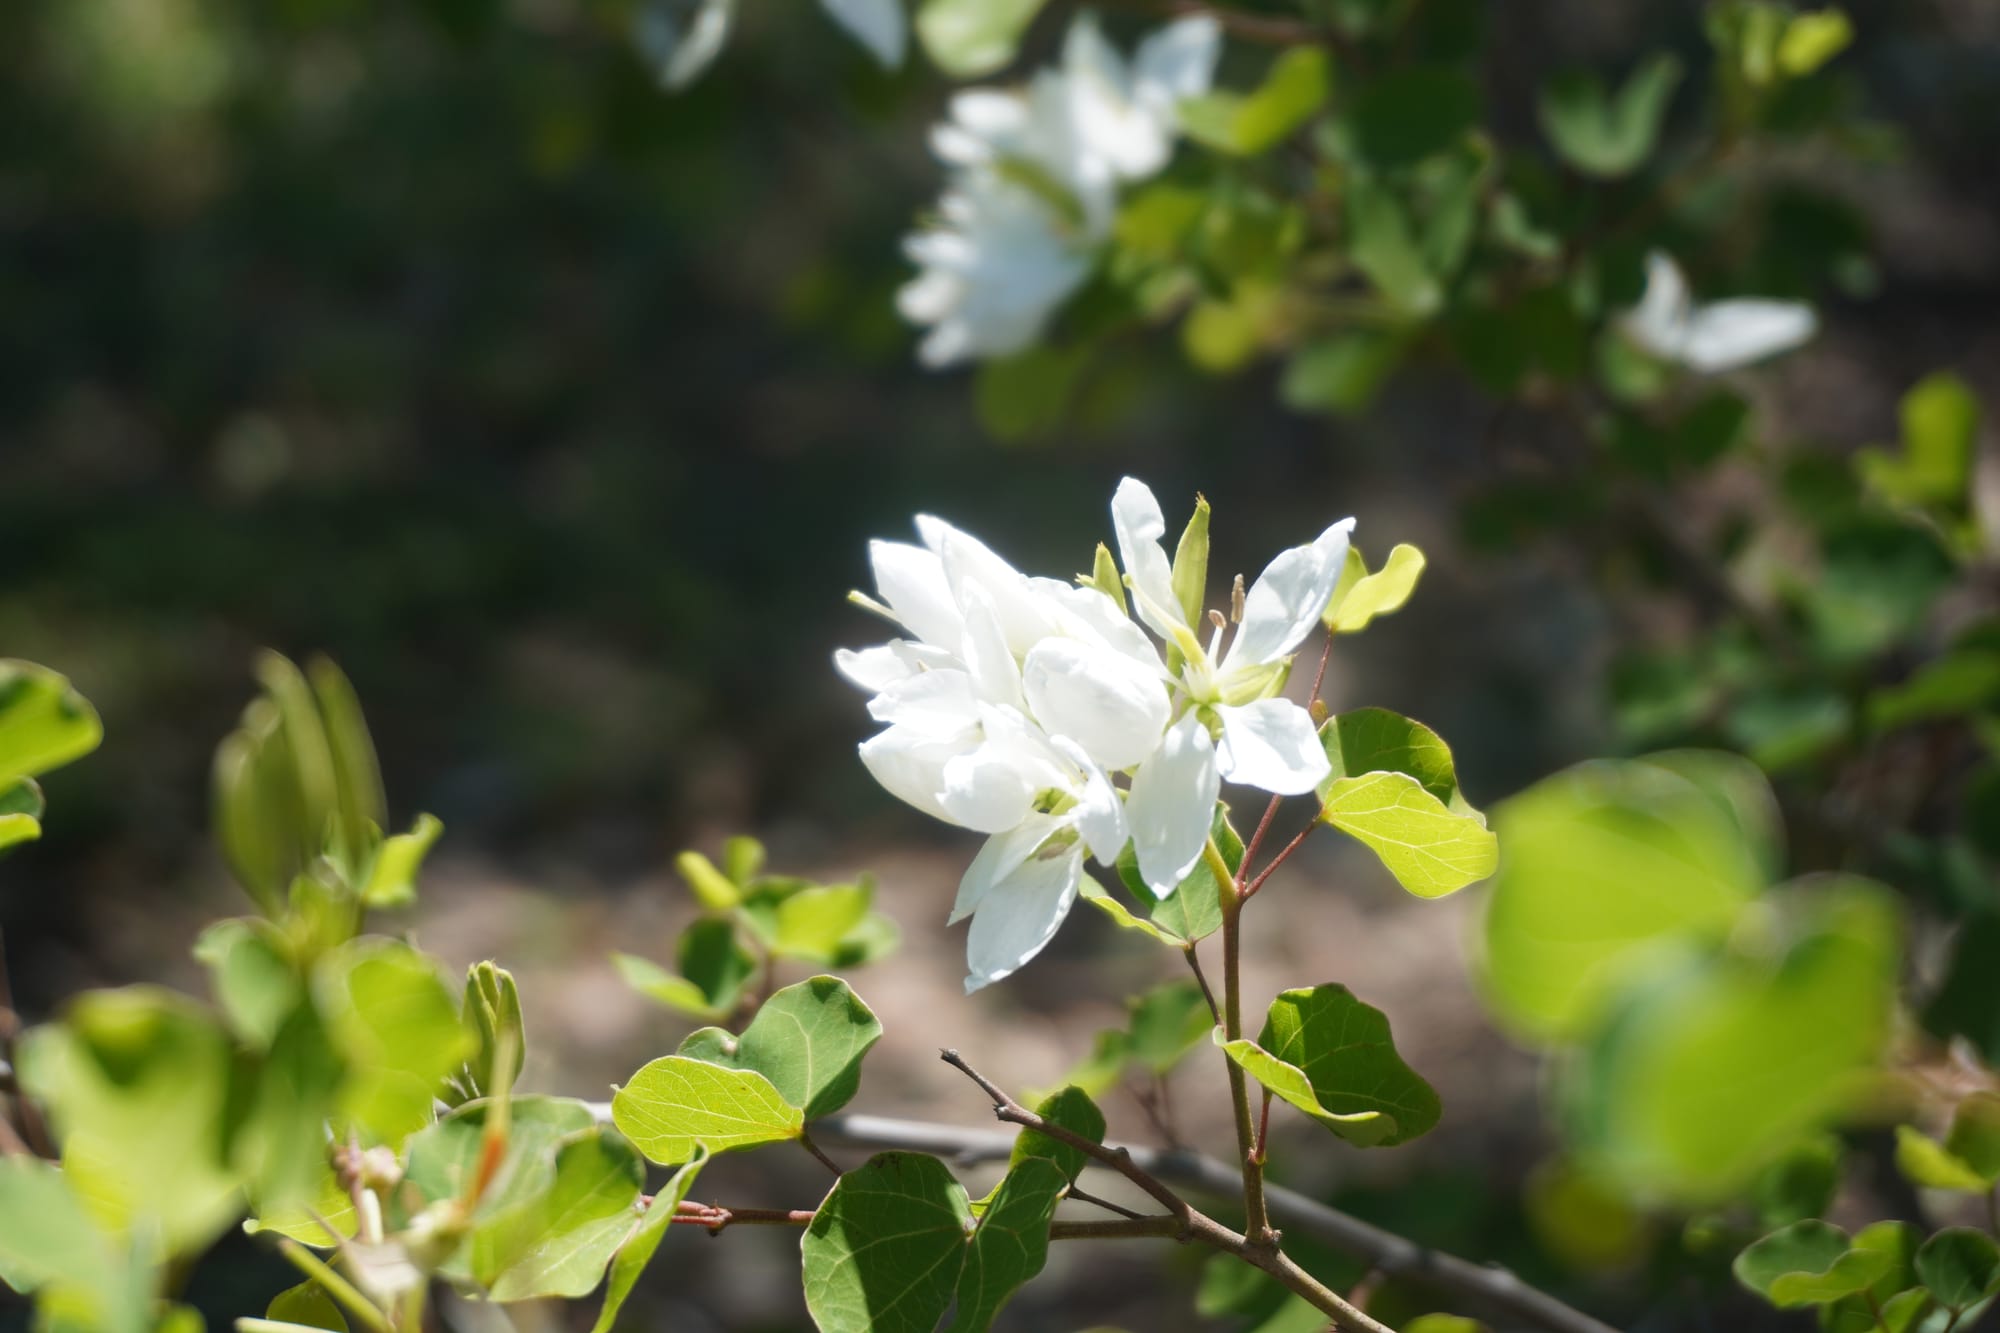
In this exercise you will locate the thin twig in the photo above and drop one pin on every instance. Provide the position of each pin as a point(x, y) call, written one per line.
point(1194, 963)
point(805, 1141)
point(1106, 1204)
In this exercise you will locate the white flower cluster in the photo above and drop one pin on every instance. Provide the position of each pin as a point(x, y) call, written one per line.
point(1034, 183)
point(1014, 702)
point(1717, 335)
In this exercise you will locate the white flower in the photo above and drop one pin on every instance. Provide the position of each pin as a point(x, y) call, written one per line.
point(1233, 728)
point(1718, 336)
point(1034, 184)
point(969, 703)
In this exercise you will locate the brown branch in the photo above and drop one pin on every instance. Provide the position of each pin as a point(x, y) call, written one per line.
point(1105, 1204)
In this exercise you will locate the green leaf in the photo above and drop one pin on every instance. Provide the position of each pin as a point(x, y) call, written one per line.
point(1247, 124)
point(1444, 1323)
point(1711, 1065)
point(1957, 683)
point(1166, 1023)
point(1811, 39)
point(1926, 1162)
point(279, 1142)
point(392, 879)
point(136, 1083)
point(714, 890)
point(1011, 1244)
point(714, 959)
point(254, 981)
point(46, 1236)
point(1072, 1109)
point(1331, 1056)
point(1584, 1221)
point(1342, 373)
point(1607, 136)
point(21, 808)
point(1356, 604)
point(357, 775)
point(885, 1248)
point(640, 1246)
point(1808, 1263)
point(1384, 246)
point(44, 722)
point(444, 1158)
point(1975, 1134)
point(1429, 848)
point(968, 38)
point(308, 1306)
point(808, 1040)
point(656, 983)
point(557, 1243)
point(675, 1104)
point(1959, 1266)
point(398, 1025)
point(1605, 862)
point(812, 923)
point(1193, 911)
point(1096, 895)
point(1375, 740)
point(493, 1009)
point(1800, 1184)
point(1940, 418)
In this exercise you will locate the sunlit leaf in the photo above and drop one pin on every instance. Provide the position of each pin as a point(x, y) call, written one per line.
point(1960, 1267)
point(675, 1104)
point(632, 1257)
point(1431, 849)
point(967, 38)
point(1808, 1263)
point(1331, 1056)
point(808, 1040)
point(557, 1243)
point(1357, 603)
point(399, 1027)
point(44, 722)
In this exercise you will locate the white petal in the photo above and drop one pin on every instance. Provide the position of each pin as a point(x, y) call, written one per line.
point(1136, 518)
point(938, 705)
point(1099, 814)
point(873, 669)
point(1085, 613)
point(1288, 599)
point(879, 25)
point(996, 676)
point(990, 789)
point(1659, 321)
point(1023, 613)
point(1001, 856)
point(1172, 800)
point(1177, 62)
point(683, 37)
point(1727, 334)
point(911, 580)
point(1107, 703)
point(1271, 744)
point(910, 767)
point(1020, 914)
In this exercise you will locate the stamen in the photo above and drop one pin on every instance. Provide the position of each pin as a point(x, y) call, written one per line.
point(1236, 601)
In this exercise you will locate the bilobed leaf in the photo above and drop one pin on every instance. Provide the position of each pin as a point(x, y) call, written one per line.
point(1603, 863)
point(444, 1158)
point(44, 722)
point(1940, 440)
point(557, 1243)
point(967, 38)
point(632, 1257)
point(885, 1248)
point(1332, 1056)
point(1429, 848)
point(1011, 1244)
point(1603, 134)
point(811, 923)
point(1356, 604)
point(1250, 123)
point(136, 1083)
point(675, 1103)
point(1959, 1266)
point(1375, 740)
point(398, 1025)
point(808, 1040)
point(1710, 1064)
point(1071, 1108)
point(1809, 1263)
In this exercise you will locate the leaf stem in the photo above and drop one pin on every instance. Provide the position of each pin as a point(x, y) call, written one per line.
point(805, 1141)
point(1106, 1204)
point(1194, 964)
point(336, 1286)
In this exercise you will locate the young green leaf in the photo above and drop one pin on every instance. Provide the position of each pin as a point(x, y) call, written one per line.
point(46, 1236)
point(1960, 1267)
point(968, 38)
point(1011, 1244)
point(44, 722)
point(1190, 567)
point(714, 959)
point(306, 1306)
point(1375, 740)
point(1429, 848)
point(1605, 135)
point(1071, 1108)
point(1166, 1023)
point(1812, 39)
point(1332, 1056)
point(632, 1257)
point(556, 1243)
point(884, 1250)
point(811, 924)
point(656, 983)
point(714, 890)
point(1246, 124)
point(493, 1010)
point(808, 1040)
point(21, 809)
point(1355, 604)
point(399, 1027)
point(392, 878)
point(675, 1104)
point(1809, 1263)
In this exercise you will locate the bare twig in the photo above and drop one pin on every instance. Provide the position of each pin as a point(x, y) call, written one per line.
point(805, 1141)
point(1194, 964)
point(1105, 1204)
